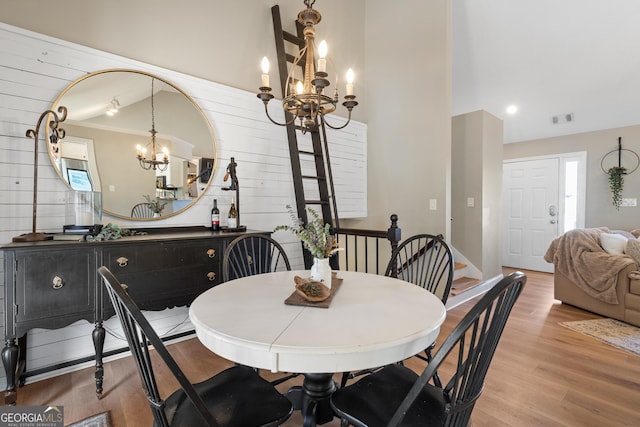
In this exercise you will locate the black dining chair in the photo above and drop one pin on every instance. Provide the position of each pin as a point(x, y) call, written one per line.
point(252, 254)
point(426, 261)
point(395, 395)
point(237, 396)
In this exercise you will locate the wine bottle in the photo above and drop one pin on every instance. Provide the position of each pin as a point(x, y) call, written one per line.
point(232, 221)
point(215, 216)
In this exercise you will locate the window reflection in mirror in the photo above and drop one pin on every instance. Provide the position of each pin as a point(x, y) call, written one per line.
point(109, 114)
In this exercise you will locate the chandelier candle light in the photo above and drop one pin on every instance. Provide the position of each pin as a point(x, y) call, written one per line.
point(304, 99)
point(153, 162)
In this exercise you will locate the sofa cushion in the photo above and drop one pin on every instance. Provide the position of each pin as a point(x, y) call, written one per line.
point(613, 243)
point(632, 248)
point(634, 285)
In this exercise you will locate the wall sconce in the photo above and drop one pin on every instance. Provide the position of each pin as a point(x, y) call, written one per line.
point(55, 134)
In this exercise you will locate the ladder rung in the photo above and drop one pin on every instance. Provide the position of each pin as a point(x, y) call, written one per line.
point(291, 58)
point(316, 202)
point(292, 38)
point(319, 178)
point(310, 153)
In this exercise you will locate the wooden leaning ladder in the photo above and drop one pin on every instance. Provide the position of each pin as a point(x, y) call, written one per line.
point(322, 177)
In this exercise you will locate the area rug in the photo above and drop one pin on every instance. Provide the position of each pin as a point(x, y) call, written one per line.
point(610, 331)
point(100, 420)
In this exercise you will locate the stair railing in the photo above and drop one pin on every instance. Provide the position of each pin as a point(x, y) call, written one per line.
point(367, 250)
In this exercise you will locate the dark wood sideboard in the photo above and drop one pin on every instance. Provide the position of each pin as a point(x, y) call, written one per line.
point(54, 283)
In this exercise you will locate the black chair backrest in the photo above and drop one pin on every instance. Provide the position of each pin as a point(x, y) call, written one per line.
point(474, 340)
point(142, 210)
point(252, 254)
point(424, 260)
point(140, 335)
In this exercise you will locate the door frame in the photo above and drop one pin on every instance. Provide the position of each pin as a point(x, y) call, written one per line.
point(563, 159)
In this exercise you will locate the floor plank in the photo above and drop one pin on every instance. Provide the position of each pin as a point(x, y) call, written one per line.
point(542, 374)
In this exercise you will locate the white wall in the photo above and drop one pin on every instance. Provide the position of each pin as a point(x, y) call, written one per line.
point(599, 209)
point(408, 93)
point(477, 140)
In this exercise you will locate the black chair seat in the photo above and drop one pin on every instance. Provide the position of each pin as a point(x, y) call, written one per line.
point(373, 400)
point(236, 394)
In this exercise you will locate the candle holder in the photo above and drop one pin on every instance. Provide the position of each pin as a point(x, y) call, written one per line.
point(235, 186)
point(55, 134)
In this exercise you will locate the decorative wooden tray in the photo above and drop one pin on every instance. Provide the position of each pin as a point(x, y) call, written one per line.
point(296, 299)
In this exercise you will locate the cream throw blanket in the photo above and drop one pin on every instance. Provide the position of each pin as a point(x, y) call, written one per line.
point(578, 255)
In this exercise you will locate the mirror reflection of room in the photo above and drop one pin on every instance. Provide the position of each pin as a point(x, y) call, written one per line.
point(117, 111)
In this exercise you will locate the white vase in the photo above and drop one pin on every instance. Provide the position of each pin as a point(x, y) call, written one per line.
point(321, 271)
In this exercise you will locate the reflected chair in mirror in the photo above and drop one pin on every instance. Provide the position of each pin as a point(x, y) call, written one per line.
point(395, 395)
point(252, 254)
point(237, 396)
point(142, 210)
point(426, 261)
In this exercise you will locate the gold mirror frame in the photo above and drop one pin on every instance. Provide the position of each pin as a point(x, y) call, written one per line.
point(96, 126)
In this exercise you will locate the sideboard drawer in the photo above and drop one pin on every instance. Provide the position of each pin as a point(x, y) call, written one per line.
point(166, 274)
point(54, 283)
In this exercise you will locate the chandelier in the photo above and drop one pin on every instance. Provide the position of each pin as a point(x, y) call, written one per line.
point(305, 98)
point(153, 162)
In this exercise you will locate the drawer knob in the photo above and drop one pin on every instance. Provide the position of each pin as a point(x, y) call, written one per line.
point(57, 282)
point(211, 276)
point(122, 261)
point(211, 253)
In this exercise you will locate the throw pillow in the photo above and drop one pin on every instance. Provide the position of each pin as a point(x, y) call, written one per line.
point(613, 243)
point(623, 233)
point(633, 250)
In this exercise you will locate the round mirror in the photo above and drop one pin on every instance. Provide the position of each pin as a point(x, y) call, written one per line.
point(139, 140)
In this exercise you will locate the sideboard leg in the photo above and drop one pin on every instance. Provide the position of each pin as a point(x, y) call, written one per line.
point(98, 336)
point(10, 355)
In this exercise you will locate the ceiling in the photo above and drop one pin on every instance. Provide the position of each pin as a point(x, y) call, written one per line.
point(549, 58)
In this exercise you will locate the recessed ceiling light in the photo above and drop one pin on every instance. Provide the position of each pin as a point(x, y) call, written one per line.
point(512, 109)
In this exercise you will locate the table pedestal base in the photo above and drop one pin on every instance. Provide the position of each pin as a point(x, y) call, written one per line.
point(312, 399)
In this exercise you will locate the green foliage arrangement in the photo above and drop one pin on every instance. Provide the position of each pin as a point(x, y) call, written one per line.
point(616, 183)
point(113, 232)
point(315, 236)
point(154, 204)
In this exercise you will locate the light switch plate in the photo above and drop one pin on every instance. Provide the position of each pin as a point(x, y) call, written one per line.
point(471, 202)
point(433, 204)
point(629, 203)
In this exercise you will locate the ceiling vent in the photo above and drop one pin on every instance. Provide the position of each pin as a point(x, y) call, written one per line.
point(562, 118)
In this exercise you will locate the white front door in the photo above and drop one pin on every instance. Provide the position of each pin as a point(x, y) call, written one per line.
point(530, 212)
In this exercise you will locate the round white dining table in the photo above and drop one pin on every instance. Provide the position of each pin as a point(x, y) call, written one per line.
point(372, 320)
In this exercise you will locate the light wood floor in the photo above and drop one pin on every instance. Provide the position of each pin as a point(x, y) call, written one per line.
point(542, 374)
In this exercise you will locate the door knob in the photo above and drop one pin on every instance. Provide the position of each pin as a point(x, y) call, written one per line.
point(553, 221)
